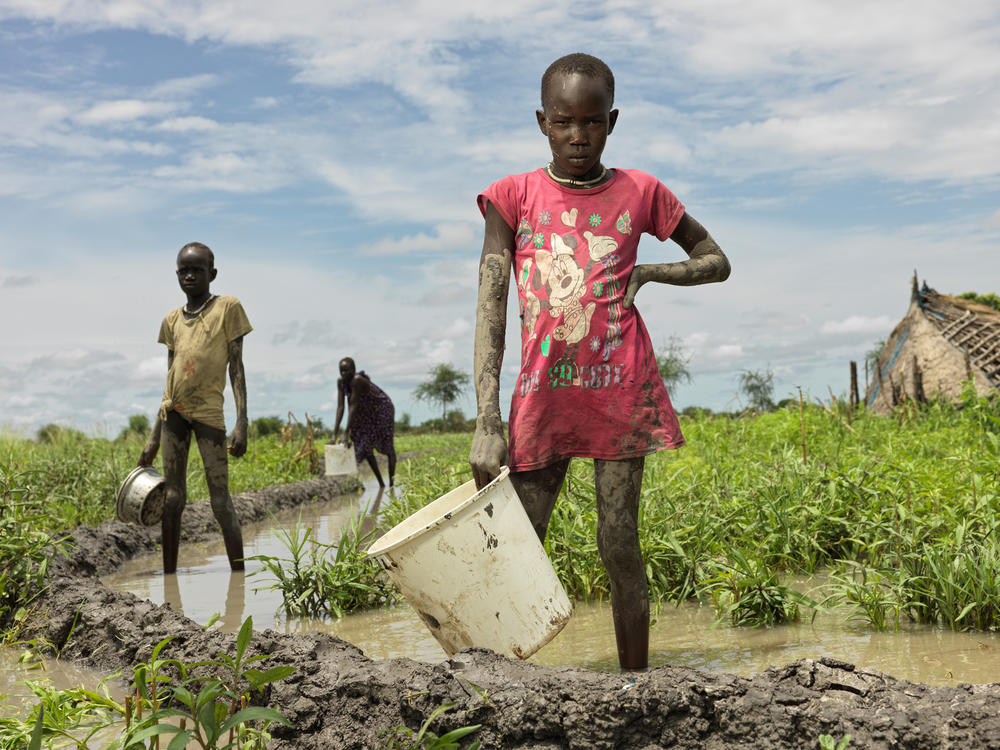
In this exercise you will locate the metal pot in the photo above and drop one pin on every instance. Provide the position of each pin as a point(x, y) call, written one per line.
point(141, 497)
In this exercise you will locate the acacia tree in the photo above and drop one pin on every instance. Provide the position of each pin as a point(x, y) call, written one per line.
point(758, 387)
point(444, 387)
point(672, 364)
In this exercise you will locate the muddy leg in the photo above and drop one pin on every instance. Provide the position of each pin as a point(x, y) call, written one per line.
point(391, 454)
point(212, 444)
point(373, 462)
point(538, 490)
point(619, 484)
point(175, 439)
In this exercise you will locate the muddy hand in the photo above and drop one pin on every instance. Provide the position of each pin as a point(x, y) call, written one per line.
point(237, 443)
point(488, 454)
point(635, 280)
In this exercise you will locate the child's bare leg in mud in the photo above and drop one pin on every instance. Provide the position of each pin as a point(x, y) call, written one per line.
point(618, 488)
point(538, 490)
point(619, 485)
point(176, 439)
point(176, 443)
point(212, 445)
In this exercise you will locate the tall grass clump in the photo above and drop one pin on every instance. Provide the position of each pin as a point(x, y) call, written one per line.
point(327, 579)
point(172, 705)
point(77, 477)
point(25, 550)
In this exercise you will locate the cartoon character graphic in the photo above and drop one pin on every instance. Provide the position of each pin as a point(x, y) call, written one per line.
point(553, 281)
point(565, 283)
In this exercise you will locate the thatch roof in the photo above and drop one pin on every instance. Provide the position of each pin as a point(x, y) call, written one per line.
point(942, 342)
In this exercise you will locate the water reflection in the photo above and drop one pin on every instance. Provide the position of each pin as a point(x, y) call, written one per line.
point(683, 635)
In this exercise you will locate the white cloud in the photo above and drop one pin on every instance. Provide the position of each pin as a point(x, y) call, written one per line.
point(184, 87)
point(725, 352)
point(124, 110)
point(187, 124)
point(447, 237)
point(74, 359)
point(151, 369)
point(457, 328)
point(265, 102)
point(15, 281)
point(881, 324)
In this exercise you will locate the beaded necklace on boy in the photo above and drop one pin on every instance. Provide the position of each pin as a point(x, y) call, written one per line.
point(203, 306)
point(577, 183)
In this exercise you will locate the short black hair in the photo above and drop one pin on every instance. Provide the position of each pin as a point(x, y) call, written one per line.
point(202, 248)
point(580, 62)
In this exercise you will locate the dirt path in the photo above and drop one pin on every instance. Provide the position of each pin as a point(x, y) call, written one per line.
point(338, 698)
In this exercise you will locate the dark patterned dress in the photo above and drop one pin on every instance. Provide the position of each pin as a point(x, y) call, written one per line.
point(372, 423)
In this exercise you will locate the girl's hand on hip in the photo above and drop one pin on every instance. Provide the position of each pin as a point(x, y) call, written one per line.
point(635, 280)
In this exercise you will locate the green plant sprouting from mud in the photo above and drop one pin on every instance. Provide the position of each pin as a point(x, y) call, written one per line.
point(174, 706)
point(404, 738)
point(829, 742)
point(25, 550)
point(327, 579)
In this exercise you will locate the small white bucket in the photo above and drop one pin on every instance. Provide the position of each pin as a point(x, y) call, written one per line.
point(141, 497)
point(472, 567)
point(339, 459)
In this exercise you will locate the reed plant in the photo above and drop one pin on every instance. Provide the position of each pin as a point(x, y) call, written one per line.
point(25, 549)
point(174, 705)
point(77, 478)
point(327, 579)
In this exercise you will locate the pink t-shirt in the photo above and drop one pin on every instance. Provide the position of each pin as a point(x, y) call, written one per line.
point(589, 385)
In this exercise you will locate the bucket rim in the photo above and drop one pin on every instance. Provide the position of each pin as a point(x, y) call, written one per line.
point(129, 480)
point(374, 551)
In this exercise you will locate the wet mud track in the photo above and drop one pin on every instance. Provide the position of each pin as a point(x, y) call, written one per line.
point(338, 698)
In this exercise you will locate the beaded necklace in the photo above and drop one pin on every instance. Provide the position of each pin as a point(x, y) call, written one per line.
point(575, 182)
point(203, 306)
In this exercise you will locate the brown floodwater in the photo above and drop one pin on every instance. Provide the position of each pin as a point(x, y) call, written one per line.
point(204, 587)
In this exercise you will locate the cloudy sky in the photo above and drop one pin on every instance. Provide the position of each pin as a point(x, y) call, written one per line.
point(330, 153)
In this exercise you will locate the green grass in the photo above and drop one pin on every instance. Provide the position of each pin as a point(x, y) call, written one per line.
point(79, 477)
point(902, 510)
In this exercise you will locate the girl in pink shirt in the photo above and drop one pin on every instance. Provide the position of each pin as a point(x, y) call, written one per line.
point(589, 385)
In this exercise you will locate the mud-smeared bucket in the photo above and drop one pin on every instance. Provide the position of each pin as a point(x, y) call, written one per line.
point(472, 567)
point(339, 460)
point(141, 497)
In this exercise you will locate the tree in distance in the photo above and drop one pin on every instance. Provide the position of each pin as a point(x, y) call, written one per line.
point(444, 387)
point(672, 362)
point(757, 386)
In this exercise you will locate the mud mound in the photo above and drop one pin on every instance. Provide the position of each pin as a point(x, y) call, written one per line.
point(338, 698)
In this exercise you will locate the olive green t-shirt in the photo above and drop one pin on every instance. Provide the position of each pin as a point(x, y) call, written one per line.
point(197, 377)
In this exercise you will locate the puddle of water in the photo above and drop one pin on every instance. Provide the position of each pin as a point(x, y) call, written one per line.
point(683, 635)
point(204, 585)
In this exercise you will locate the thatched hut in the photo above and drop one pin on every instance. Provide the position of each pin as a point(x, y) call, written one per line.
point(942, 342)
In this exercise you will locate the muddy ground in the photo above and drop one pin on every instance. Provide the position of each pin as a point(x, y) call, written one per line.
point(338, 698)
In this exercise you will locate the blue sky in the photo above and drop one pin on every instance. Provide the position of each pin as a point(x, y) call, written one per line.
point(330, 153)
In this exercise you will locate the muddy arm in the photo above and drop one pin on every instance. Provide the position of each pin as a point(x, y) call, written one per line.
point(706, 262)
point(237, 376)
point(340, 409)
point(152, 446)
point(489, 449)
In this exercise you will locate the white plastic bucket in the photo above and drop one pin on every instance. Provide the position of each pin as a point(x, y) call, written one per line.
point(472, 567)
point(141, 497)
point(339, 459)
